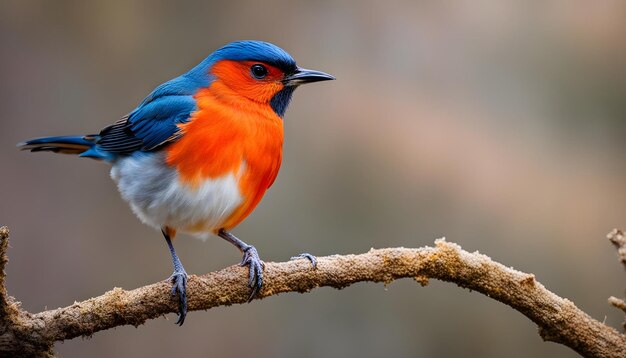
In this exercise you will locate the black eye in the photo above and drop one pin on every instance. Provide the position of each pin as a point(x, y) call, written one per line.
point(258, 71)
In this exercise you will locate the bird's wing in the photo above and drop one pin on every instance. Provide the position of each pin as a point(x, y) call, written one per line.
point(152, 124)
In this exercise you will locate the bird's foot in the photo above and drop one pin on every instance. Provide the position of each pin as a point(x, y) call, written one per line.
point(253, 261)
point(307, 256)
point(179, 287)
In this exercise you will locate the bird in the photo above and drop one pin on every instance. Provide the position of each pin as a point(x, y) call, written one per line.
point(199, 152)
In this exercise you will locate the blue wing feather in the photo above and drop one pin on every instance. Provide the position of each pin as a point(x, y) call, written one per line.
point(155, 121)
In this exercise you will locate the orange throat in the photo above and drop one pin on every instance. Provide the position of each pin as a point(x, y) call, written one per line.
point(229, 134)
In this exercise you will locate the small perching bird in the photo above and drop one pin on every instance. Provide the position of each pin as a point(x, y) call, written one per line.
point(198, 153)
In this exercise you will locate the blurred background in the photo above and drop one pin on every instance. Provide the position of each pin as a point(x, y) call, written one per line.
point(497, 124)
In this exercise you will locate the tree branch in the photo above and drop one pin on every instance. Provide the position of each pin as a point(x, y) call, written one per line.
point(619, 241)
point(559, 320)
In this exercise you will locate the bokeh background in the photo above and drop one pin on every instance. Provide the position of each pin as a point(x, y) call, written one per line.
point(497, 124)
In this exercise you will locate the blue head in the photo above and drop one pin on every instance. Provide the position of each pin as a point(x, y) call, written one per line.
point(261, 67)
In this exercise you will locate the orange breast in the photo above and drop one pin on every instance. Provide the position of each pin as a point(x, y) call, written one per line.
point(230, 134)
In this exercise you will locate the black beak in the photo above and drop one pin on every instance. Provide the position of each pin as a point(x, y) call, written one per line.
point(302, 76)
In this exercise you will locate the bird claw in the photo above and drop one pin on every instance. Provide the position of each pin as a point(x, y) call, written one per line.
point(179, 287)
point(307, 256)
point(253, 261)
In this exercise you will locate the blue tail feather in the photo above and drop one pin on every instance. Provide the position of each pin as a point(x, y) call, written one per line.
point(84, 146)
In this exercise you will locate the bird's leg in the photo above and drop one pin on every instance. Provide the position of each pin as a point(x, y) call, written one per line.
point(250, 258)
point(307, 256)
point(178, 278)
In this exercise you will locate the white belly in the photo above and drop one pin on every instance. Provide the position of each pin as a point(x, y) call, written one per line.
point(159, 199)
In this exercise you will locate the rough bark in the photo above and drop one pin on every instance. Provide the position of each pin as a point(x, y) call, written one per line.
point(559, 320)
point(619, 241)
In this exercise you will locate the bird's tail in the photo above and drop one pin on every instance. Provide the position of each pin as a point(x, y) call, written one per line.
point(81, 145)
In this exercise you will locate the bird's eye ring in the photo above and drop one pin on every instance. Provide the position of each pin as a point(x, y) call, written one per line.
point(258, 71)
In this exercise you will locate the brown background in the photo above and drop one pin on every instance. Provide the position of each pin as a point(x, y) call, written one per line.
point(499, 125)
